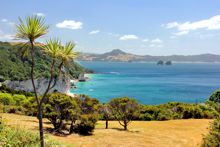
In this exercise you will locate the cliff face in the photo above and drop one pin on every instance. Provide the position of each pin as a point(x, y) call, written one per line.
point(62, 85)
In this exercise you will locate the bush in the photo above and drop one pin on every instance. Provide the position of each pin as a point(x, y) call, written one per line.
point(213, 138)
point(164, 115)
point(146, 116)
point(18, 99)
point(6, 99)
point(215, 97)
point(87, 124)
point(59, 107)
point(20, 137)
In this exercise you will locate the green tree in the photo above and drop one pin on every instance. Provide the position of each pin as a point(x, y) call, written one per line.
point(59, 107)
point(124, 109)
point(30, 30)
point(106, 113)
point(89, 114)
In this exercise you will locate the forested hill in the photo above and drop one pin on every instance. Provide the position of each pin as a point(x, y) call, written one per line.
point(12, 67)
point(121, 56)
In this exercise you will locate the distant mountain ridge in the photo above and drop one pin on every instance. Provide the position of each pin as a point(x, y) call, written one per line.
point(118, 55)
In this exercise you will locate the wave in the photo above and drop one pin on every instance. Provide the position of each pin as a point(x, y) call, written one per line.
point(113, 72)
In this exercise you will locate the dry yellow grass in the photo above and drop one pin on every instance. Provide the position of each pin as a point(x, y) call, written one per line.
point(173, 133)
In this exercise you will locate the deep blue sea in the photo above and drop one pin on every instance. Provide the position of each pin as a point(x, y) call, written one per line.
point(150, 83)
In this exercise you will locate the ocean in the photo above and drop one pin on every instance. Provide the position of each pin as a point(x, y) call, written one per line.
point(150, 83)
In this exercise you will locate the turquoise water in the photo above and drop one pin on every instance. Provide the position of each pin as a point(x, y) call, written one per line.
point(149, 83)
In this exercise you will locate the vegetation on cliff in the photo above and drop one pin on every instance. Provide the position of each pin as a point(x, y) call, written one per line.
point(13, 67)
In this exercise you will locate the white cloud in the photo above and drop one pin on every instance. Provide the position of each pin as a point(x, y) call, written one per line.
point(4, 20)
point(181, 33)
point(70, 24)
point(156, 40)
point(212, 23)
point(6, 36)
point(128, 37)
point(94, 32)
point(145, 40)
point(40, 14)
point(156, 45)
point(171, 25)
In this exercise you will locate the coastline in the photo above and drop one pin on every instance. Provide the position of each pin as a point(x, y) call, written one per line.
point(74, 82)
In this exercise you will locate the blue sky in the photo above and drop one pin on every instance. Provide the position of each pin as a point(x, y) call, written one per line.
point(154, 27)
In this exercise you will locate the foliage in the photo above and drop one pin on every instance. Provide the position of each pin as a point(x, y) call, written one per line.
point(13, 67)
point(59, 107)
point(87, 105)
point(124, 110)
point(19, 99)
point(18, 137)
point(80, 113)
point(5, 89)
point(87, 124)
point(31, 29)
point(6, 99)
point(215, 97)
point(88, 114)
point(213, 138)
point(106, 113)
point(177, 110)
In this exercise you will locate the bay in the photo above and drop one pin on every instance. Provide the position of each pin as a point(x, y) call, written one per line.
point(150, 83)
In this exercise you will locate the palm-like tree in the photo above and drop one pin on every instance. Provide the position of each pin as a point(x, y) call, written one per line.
point(31, 29)
point(53, 49)
point(67, 54)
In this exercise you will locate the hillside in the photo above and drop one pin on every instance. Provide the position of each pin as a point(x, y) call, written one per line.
point(186, 132)
point(12, 67)
point(120, 56)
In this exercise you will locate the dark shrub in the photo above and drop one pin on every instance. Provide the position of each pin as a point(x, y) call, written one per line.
point(87, 124)
point(215, 97)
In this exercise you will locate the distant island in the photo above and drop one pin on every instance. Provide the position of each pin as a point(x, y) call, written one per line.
point(118, 55)
point(160, 62)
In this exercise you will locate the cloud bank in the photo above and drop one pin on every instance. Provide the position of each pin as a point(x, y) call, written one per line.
point(212, 23)
point(70, 24)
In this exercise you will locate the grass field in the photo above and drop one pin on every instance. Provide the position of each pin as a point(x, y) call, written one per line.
point(173, 133)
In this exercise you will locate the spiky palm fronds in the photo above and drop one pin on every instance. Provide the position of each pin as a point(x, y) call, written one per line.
point(32, 28)
point(67, 53)
point(53, 48)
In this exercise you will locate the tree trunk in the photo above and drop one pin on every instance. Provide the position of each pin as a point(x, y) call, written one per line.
point(40, 118)
point(125, 125)
point(36, 96)
point(106, 124)
point(71, 127)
